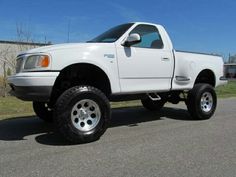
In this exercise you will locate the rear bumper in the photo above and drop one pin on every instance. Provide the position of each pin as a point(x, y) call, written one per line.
point(223, 80)
point(32, 86)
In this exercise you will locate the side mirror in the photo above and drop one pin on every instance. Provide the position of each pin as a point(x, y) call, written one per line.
point(132, 39)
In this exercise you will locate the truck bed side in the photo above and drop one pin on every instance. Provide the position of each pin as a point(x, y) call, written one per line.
point(188, 66)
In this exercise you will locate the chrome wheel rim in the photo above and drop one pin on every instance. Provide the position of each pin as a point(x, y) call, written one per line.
point(206, 102)
point(85, 115)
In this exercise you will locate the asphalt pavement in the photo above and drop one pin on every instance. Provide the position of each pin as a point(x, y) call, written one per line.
point(138, 143)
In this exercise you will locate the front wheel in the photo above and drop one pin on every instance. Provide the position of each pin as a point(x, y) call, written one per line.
point(82, 114)
point(201, 101)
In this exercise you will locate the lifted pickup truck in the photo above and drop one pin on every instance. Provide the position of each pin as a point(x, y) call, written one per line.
point(72, 84)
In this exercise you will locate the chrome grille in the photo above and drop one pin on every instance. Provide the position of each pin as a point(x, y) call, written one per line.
point(19, 63)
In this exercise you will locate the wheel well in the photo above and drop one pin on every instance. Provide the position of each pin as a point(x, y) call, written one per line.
point(206, 76)
point(80, 74)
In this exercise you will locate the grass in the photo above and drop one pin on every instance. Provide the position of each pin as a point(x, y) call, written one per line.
point(227, 91)
point(11, 107)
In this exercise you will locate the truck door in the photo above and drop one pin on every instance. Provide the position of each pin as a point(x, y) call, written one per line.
point(146, 66)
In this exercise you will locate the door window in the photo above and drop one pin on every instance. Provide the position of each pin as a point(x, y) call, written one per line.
point(150, 37)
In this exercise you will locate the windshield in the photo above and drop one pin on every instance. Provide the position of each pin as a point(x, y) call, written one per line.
point(113, 34)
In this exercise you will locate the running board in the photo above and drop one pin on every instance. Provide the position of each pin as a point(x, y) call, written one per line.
point(154, 96)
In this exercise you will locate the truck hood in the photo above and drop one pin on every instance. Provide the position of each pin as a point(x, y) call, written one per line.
point(50, 48)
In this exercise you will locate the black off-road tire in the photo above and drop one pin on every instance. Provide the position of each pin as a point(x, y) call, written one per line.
point(70, 100)
point(43, 111)
point(201, 101)
point(152, 105)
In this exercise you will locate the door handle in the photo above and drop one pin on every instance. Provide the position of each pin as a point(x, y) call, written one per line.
point(165, 59)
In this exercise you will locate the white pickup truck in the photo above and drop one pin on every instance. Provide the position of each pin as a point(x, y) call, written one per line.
point(72, 84)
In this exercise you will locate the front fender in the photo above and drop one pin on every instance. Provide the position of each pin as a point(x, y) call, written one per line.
point(100, 56)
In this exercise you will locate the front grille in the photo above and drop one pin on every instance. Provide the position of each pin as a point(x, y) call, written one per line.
point(19, 63)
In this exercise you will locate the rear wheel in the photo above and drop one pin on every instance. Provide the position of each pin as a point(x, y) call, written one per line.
point(43, 111)
point(152, 105)
point(82, 114)
point(202, 101)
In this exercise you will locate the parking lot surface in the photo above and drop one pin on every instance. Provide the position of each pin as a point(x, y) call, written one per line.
point(138, 143)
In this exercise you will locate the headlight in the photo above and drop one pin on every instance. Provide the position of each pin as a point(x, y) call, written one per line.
point(37, 61)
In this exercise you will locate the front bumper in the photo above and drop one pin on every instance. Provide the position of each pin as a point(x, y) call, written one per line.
point(32, 86)
point(36, 93)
